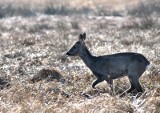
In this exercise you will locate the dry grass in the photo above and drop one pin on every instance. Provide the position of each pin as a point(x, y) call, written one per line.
point(35, 46)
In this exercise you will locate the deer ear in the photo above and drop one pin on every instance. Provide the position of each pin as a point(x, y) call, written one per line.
point(82, 37)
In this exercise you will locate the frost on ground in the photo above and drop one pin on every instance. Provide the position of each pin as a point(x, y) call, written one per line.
point(35, 46)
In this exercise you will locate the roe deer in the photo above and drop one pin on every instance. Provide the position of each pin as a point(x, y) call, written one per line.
point(109, 67)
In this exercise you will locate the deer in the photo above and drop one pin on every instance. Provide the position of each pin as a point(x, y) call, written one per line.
point(112, 66)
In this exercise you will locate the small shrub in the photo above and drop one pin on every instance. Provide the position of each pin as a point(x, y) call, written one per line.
point(8, 9)
point(147, 22)
point(62, 10)
point(75, 25)
point(146, 7)
point(107, 12)
point(28, 42)
point(62, 26)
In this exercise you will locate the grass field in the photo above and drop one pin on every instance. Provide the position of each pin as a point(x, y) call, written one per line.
point(35, 35)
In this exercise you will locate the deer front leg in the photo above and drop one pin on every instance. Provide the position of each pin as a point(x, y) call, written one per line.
point(110, 83)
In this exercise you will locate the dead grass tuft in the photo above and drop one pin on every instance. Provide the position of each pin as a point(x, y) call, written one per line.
point(48, 75)
point(4, 83)
point(28, 42)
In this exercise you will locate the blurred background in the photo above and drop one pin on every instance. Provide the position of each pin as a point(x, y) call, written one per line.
point(145, 10)
point(79, 7)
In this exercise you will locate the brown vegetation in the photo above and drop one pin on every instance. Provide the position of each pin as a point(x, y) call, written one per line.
point(48, 75)
point(32, 45)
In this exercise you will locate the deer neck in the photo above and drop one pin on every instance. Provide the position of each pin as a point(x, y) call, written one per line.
point(87, 58)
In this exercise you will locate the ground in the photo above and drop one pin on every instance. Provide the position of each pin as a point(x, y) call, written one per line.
point(34, 40)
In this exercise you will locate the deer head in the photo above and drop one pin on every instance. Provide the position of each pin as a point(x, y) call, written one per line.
point(78, 47)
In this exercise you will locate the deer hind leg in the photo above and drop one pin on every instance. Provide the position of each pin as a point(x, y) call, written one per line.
point(129, 90)
point(135, 82)
point(131, 87)
point(96, 82)
point(134, 73)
